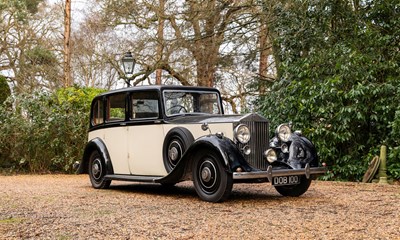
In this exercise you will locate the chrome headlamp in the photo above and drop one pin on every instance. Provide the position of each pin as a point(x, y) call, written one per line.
point(283, 132)
point(242, 133)
point(270, 155)
point(284, 148)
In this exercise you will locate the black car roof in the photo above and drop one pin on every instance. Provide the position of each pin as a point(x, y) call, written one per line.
point(158, 88)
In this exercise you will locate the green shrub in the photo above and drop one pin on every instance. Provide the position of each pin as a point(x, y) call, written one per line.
point(339, 81)
point(393, 163)
point(45, 132)
point(5, 91)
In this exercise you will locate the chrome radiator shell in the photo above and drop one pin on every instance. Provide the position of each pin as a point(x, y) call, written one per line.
point(259, 140)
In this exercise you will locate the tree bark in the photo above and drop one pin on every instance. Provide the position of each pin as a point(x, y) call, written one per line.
point(264, 53)
point(160, 39)
point(208, 21)
point(67, 44)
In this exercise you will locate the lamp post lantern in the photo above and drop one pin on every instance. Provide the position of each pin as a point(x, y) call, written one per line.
point(128, 63)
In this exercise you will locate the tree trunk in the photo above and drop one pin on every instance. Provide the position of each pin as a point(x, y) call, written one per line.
point(160, 39)
point(67, 46)
point(264, 53)
point(206, 62)
point(206, 47)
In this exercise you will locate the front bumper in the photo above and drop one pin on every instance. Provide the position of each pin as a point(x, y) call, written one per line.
point(270, 173)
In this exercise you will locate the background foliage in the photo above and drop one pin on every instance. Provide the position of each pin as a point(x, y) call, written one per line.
point(330, 67)
point(340, 81)
point(46, 132)
point(5, 91)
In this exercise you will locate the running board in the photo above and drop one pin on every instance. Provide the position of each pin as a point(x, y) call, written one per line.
point(133, 178)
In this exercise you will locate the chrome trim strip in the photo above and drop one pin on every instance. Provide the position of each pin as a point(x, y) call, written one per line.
point(270, 173)
point(134, 178)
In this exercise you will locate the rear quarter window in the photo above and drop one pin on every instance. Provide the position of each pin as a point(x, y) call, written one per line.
point(97, 112)
point(116, 108)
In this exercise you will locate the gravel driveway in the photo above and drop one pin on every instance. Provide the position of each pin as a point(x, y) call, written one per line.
point(67, 207)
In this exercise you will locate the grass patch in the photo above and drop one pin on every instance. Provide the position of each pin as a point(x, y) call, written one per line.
point(11, 220)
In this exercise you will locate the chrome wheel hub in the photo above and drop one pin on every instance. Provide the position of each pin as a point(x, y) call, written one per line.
point(97, 168)
point(206, 174)
point(174, 152)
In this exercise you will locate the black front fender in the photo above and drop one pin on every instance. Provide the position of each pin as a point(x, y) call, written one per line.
point(302, 151)
point(95, 144)
point(230, 155)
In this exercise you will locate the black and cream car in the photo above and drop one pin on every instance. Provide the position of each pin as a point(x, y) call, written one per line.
point(169, 134)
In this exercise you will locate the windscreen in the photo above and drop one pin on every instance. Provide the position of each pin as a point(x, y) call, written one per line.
point(191, 102)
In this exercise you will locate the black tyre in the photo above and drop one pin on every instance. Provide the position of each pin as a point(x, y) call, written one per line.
point(176, 142)
point(295, 190)
point(211, 182)
point(97, 171)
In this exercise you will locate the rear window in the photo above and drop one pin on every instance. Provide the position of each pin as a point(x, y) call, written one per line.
point(116, 108)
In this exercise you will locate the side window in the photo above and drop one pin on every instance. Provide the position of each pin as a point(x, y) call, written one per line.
point(97, 111)
point(116, 108)
point(144, 105)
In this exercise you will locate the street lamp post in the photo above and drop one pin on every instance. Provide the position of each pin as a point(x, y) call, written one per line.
point(128, 63)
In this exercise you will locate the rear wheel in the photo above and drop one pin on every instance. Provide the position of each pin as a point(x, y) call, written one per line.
point(212, 183)
point(295, 190)
point(97, 171)
point(176, 142)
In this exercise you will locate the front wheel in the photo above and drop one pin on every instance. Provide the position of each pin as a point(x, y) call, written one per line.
point(97, 171)
point(211, 181)
point(295, 190)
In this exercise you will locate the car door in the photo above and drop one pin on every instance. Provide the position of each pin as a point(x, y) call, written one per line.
point(145, 135)
point(114, 134)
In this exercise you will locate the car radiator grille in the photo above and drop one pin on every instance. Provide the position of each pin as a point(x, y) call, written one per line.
point(259, 142)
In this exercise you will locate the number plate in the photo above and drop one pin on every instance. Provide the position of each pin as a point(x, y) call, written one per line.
point(286, 180)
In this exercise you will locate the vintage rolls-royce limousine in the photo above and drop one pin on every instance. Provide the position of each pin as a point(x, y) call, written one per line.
point(169, 134)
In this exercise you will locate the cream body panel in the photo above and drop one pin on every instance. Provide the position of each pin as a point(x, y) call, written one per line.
point(137, 150)
point(116, 142)
point(145, 150)
point(146, 145)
